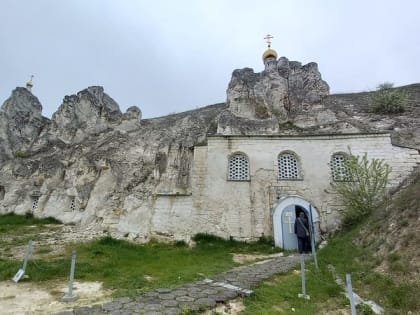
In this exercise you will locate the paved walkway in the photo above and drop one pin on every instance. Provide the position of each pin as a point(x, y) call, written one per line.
point(203, 294)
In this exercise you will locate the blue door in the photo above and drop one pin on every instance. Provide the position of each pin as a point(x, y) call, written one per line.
point(288, 228)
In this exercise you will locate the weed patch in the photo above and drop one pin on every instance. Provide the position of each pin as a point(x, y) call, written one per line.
point(11, 219)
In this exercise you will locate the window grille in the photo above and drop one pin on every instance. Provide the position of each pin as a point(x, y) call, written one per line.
point(238, 167)
point(338, 167)
point(72, 205)
point(288, 166)
point(35, 203)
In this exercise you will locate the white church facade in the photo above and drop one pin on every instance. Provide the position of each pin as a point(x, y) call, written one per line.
point(268, 157)
point(247, 187)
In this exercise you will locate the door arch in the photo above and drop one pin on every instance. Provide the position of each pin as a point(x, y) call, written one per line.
point(284, 216)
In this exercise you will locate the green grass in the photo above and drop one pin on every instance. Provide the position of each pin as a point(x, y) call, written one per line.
point(355, 251)
point(126, 267)
point(209, 242)
point(130, 269)
point(280, 295)
point(11, 219)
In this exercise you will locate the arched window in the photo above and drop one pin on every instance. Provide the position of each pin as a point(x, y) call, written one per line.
point(288, 166)
point(338, 165)
point(238, 167)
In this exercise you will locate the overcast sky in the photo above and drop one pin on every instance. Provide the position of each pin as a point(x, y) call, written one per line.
point(171, 56)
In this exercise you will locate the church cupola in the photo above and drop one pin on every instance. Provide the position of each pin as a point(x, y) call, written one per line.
point(270, 55)
point(29, 84)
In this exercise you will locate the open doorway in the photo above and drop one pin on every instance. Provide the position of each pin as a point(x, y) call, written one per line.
point(284, 217)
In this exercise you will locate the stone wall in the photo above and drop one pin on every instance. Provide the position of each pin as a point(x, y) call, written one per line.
point(243, 209)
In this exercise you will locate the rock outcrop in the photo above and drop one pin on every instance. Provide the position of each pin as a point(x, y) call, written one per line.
point(265, 102)
point(90, 163)
point(21, 123)
point(281, 92)
point(90, 111)
point(93, 164)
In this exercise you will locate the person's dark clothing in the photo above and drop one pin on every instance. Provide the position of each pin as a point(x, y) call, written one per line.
point(302, 233)
point(304, 244)
point(302, 227)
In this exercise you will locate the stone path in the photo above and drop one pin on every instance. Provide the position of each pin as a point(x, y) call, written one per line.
point(203, 294)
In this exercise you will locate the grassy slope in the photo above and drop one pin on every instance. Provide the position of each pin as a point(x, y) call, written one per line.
point(381, 254)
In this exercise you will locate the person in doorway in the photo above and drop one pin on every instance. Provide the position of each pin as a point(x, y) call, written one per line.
point(302, 233)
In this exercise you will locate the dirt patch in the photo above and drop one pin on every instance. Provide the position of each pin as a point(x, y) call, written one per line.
point(247, 259)
point(30, 298)
point(233, 307)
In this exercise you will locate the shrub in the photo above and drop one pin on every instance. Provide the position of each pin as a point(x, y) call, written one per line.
point(29, 215)
point(204, 237)
point(110, 241)
point(366, 188)
point(387, 100)
point(22, 154)
point(180, 243)
point(266, 240)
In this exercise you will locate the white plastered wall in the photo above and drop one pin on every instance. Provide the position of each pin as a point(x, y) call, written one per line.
point(244, 210)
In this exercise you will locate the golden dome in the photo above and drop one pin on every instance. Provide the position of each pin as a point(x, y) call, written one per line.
point(269, 53)
point(29, 84)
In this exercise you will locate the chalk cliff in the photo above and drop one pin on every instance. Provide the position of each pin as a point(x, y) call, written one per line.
point(91, 164)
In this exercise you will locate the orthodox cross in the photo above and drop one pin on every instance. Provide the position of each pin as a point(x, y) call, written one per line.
point(268, 39)
point(290, 222)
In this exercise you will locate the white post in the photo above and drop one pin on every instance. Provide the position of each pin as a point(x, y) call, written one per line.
point(350, 294)
point(28, 255)
point(302, 267)
point(21, 272)
point(69, 296)
point(313, 238)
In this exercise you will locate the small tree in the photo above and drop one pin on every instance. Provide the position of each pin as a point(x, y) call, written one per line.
point(365, 188)
point(388, 100)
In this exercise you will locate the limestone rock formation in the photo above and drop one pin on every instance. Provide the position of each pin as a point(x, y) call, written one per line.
point(279, 92)
point(92, 164)
point(20, 122)
point(90, 111)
